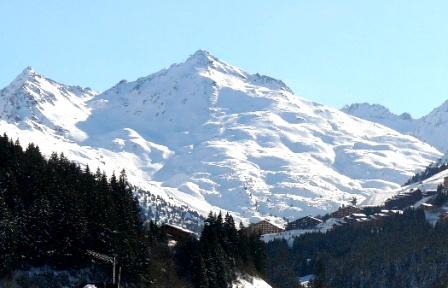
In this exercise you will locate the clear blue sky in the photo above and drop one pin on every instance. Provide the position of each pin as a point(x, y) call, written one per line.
point(393, 52)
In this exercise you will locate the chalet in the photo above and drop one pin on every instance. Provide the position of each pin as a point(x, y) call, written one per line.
point(444, 216)
point(370, 209)
point(307, 280)
point(345, 211)
point(356, 218)
point(445, 182)
point(404, 200)
point(391, 212)
point(176, 232)
point(429, 193)
point(360, 217)
point(379, 215)
point(99, 285)
point(263, 227)
point(444, 187)
point(349, 219)
point(307, 222)
point(427, 207)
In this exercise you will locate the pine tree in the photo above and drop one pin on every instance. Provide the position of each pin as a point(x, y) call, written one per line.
point(230, 239)
point(8, 239)
point(319, 282)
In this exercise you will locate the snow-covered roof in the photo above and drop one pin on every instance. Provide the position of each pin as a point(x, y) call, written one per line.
point(179, 228)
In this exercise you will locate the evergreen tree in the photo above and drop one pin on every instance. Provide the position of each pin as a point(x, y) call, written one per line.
point(52, 212)
point(9, 259)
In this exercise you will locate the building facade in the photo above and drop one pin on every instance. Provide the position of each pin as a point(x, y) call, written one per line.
point(345, 211)
point(264, 227)
point(307, 222)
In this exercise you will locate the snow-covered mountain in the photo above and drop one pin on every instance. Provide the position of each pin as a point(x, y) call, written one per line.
point(35, 102)
point(403, 123)
point(430, 128)
point(208, 135)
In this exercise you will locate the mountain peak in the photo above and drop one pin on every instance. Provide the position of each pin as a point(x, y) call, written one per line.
point(204, 60)
point(208, 135)
point(28, 73)
point(202, 57)
point(365, 106)
point(201, 53)
point(374, 111)
point(36, 101)
point(29, 77)
point(200, 62)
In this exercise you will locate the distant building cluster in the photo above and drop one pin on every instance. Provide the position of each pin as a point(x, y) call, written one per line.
point(264, 227)
point(350, 214)
point(177, 233)
point(345, 211)
point(307, 222)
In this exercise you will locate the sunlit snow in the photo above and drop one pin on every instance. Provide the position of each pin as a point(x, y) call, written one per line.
point(209, 135)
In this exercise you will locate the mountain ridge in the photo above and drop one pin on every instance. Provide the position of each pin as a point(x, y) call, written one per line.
point(34, 101)
point(206, 134)
point(429, 128)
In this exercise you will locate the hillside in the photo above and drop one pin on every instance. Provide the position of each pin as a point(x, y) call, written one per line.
point(206, 135)
point(430, 128)
point(60, 225)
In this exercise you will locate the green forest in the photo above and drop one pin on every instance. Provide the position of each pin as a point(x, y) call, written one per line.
point(53, 211)
point(402, 250)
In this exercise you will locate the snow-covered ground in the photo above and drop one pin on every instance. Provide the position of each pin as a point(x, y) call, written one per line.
point(429, 184)
point(430, 128)
point(208, 135)
point(290, 235)
point(305, 281)
point(432, 215)
point(250, 282)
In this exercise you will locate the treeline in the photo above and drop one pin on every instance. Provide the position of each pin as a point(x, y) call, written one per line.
point(52, 212)
point(402, 201)
point(429, 171)
point(396, 251)
point(220, 254)
point(156, 208)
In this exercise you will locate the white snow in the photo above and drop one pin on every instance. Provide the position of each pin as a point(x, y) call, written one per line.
point(430, 128)
point(250, 282)
point(33, 101)
point(208, 135)
point(305, 281)
point(290, 235)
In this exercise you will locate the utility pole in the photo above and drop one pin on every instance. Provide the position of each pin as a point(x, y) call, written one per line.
point(109, 259)
point(119, 276)
point(113, 269)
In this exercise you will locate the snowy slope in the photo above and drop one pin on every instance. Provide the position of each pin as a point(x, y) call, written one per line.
point(35, 102)
point(35, 109)
point(430, 128)
point(403, 123)
point(433, 127)
point(250, 282)
point(208, 135)
point(428, 184)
